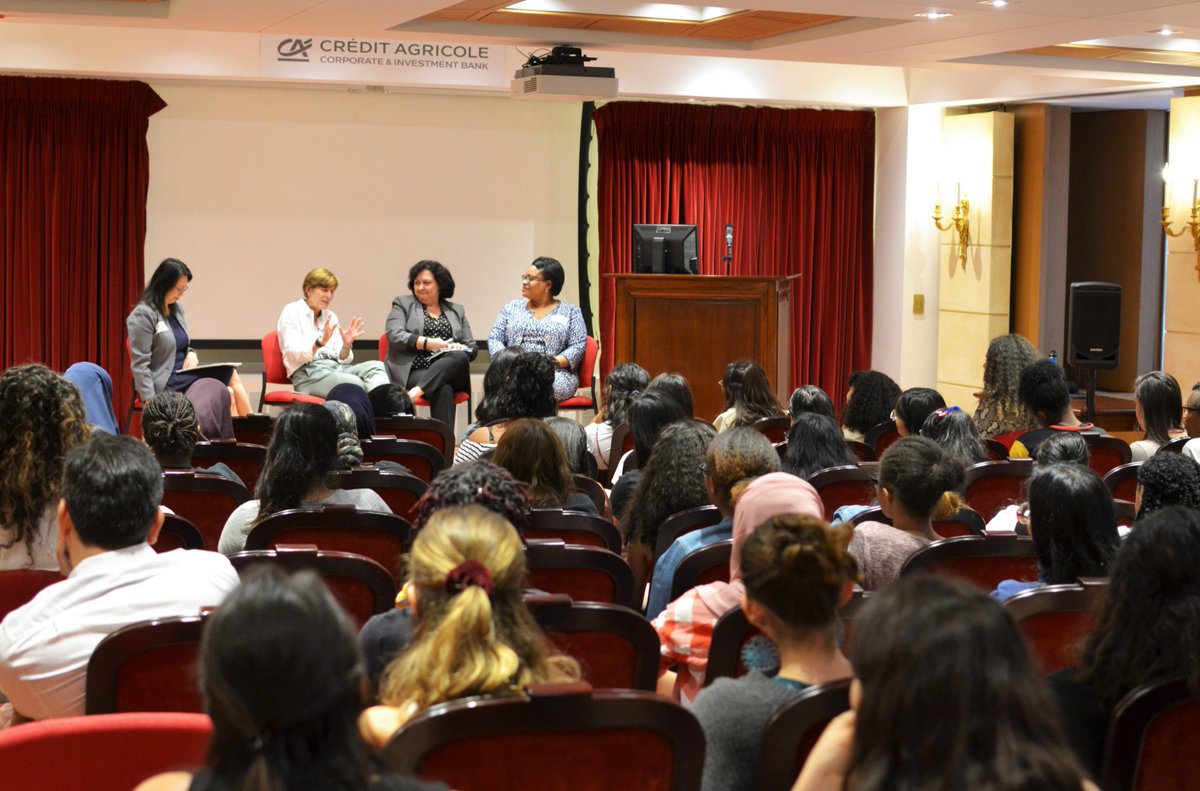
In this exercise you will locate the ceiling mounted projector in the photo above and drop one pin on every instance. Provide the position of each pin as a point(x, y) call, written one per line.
point(563, 74)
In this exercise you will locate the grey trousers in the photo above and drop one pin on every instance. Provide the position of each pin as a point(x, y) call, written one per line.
point(322, 375)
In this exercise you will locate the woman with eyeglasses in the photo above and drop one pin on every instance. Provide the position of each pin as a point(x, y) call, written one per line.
point(540, 322)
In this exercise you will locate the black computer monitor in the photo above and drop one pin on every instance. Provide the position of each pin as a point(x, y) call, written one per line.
point(665, 249)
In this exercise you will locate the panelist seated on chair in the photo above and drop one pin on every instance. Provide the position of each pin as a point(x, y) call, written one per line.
point(170, 428)
point(540, 322)
point(430, 345)
point(302, 453)
point(107, 520)
point(317, 351)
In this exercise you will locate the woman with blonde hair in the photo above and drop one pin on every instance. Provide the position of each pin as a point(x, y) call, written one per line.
point(474, 634)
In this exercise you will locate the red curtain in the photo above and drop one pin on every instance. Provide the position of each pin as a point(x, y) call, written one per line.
point(74, 169)
point(797, 185)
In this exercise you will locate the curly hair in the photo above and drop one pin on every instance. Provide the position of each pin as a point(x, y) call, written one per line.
point(1007, 356)
point(170, 428)
point(672, 480)
point(440, 274)
point(737, 455)
point(528, 390)
point(624, 383)
point(532, 452)
point(1156, 570)
point(44, 419)
point(748, 391)
point(301, 454)
point(475, 483)
point(872, 397)
point(1043, 392)
point(471, 639)
point(1160, 405)
point(1168, 479)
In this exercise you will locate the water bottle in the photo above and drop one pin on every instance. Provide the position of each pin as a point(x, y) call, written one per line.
point(1054, 357)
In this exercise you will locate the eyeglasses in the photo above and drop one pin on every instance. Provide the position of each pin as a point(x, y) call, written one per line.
point(528, 279)
point(1191, 409)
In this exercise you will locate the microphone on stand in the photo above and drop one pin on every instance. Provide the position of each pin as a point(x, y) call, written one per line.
point(728, 257)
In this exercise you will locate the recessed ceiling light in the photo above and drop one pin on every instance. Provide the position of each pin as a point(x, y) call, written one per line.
point(671, 12)
point(1163, 31)
point(934, 14)
point(995, 3)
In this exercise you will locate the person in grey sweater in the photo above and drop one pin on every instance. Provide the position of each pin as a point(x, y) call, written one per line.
point(797, 572)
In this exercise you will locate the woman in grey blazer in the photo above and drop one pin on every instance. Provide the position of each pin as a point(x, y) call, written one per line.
point(430, 345)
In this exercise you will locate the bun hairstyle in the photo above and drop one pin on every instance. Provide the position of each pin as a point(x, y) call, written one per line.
point(796, 566)
point(474, 634)
point(169, 426)
point(922, 477)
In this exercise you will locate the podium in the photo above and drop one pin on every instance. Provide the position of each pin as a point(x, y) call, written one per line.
point(695, 325)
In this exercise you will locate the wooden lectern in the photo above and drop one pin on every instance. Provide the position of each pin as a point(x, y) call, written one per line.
point(695, 325)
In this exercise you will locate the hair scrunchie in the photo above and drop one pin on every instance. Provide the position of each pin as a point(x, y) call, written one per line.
point(469, 573)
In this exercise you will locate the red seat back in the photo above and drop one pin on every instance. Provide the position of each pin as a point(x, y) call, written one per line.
point(581, 572)
point(838, 486)
point(616, 647)
point(19, 586)
point(148, 666)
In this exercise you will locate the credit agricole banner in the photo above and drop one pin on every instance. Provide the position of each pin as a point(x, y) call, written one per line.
point(383, 61)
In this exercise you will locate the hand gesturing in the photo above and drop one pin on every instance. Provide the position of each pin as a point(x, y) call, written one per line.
point(354, 330)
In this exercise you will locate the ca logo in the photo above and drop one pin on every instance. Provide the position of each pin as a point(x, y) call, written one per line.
point(294, 49)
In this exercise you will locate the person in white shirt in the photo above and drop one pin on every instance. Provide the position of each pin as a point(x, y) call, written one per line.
point(107, 520)
point(317, 350)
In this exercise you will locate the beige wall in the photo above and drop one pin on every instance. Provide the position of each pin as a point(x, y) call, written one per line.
point(252, 187)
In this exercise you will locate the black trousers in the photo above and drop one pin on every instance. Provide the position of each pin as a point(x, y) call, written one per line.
point(449, 373)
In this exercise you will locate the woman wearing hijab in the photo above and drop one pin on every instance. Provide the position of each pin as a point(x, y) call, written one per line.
point(96, 387)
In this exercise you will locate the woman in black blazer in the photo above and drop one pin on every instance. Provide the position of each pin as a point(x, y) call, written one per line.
point(430, 345)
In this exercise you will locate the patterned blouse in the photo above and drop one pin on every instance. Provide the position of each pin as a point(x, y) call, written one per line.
point(435, 327)
point(561, 331)
point(990, 424)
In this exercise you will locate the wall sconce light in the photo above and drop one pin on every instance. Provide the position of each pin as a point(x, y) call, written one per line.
point(1192, 225)
point(958, 221)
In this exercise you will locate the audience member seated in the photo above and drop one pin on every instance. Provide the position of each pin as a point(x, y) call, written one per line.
point(530, 450)
point(282, 682)
point(493, 380)
point(302, 453)
point(734, 457)
point(797, 573)
point(918, 481)
point(625, 382)
point(685, 626)
point(1065, 447)
point(1167, 479)
point(1073, 527)
point(954, 431)
point(913, 406)
point(672, 480)
point(170, 428)
point(677, 387)
point(474, 634)
point(574, 444)
point(1147, 631)
point(528, 391)
point(810, 398)
point(96, 387)
point(359, 402)
point(815, 443)
point(870, 401)
point(1000, 414)
point(946, 696)
point(748, 396)
point(1043, 392)
point(349, 448)
point(648, 415)
point(385, 635)
point(1158, 405)
point(107, 520)
point(43, 420)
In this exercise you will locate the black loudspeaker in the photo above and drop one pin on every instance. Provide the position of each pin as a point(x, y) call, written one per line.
point(1094, 325)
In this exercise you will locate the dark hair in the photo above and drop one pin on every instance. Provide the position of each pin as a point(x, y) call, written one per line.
point(1043, 391)
point(1071, 522)
point(170, 428)
point(624, 383)
point(43, 419)
point(920, 475)
point(493, 380)
point(445, 281)
point(528, 389)
point(927, 730)
point(748, 390)
point(1063, 447)
point(672, 479)
point(916, 404)
point(1007, 356)
point(281, 676)
point(301, 453)
point(531, 451)
point(1162, 405)
point(1149, 627)
point(648, 414)
point(737, 455)
point(574, 443)
point(1168, 479)
point(675, 386)
point(475, 483)
point(873, 396)
point(162, 282)
point(954, 430)
point(112, 486)
point(815, 443)
point(796, 566)
point(810, 398)
point(552, 270)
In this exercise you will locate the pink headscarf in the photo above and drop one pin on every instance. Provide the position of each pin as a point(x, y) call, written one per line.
point(773, 494)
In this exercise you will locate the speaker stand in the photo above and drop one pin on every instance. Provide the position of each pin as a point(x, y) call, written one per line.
point(1089, 410)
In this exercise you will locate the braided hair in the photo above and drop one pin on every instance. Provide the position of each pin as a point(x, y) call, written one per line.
point(170, 428)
